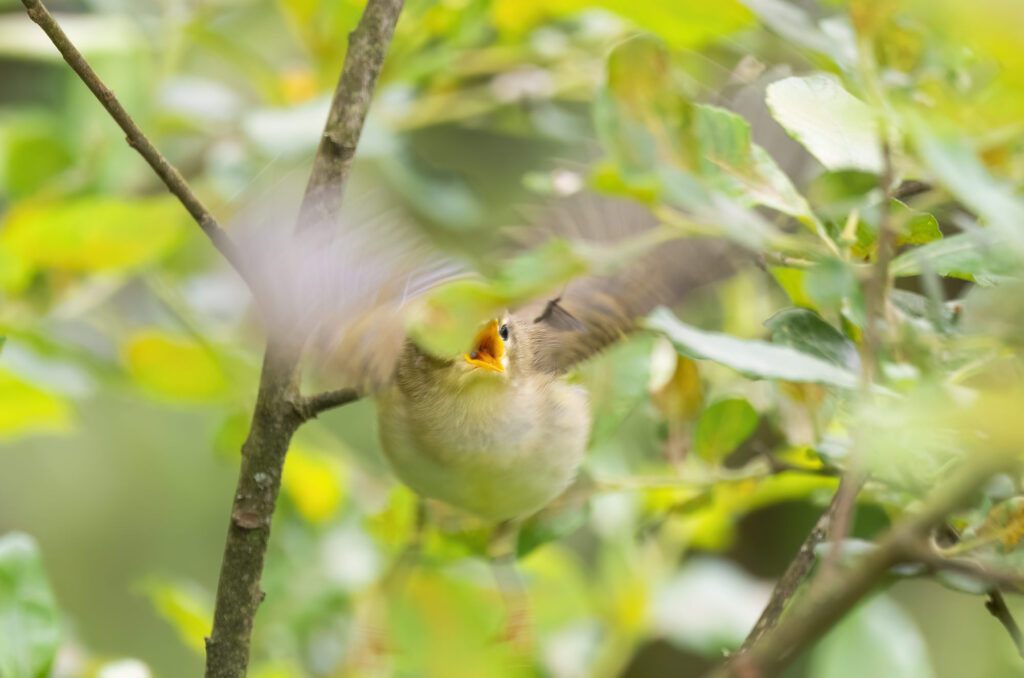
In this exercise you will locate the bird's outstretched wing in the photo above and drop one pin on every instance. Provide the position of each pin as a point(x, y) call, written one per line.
point(343, 287)
point(594, 311)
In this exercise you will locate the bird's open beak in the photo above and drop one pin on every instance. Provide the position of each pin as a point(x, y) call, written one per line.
point(488, 349)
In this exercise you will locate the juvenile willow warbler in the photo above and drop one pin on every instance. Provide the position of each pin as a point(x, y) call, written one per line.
point(498, 431)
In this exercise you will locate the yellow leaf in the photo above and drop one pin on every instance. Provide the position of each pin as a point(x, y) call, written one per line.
point(185, 607)
point(680, 398)
point(1005, 523)
point(92, 233)
point(314, 480)
point(26, 409)
point(173, 366)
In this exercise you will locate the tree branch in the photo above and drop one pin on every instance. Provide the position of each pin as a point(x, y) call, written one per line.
point(280, 409)
point(367, 46)
point(824, 605)
point(171, 177)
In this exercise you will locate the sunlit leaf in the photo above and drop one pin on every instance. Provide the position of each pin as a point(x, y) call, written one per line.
point(27, 409)
point(186, 607)
point(806, 331)
point(684, 23)
point(723, 426)
point(93, 233)
point(838, 129)
point(314, 481)
point(878, 638)
point(173, 366)
point(973, 256)
point(756, 359)
point(29, 618)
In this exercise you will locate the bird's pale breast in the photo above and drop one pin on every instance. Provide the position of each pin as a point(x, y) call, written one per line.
point(499, 449)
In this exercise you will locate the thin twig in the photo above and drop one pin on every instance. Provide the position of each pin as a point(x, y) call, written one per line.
point(171, 177)
point(996, 605)
point(310, 406)
point(794, 574)
point(367, 47)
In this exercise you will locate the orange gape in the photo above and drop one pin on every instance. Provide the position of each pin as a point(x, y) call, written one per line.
point(488, 349)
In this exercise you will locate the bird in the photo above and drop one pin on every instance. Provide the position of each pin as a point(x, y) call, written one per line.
point(498, 431)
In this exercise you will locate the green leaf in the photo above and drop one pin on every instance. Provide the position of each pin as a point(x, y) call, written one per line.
point(741, 169)
point(915, 227)
point(92, 233)
point(972, 256)
point(806, 331)
point(755, 359)
point(877, 639)
point(681, 23)
point(29, 618)
point(840, 130)
point(723, 427)
point(27, 409)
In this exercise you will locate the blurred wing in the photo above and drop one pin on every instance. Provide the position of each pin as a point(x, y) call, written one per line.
point(595, 311)
point(347, 285)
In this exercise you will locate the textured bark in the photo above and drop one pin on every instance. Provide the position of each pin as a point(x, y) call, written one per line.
point(274, 421)
point(367, 47)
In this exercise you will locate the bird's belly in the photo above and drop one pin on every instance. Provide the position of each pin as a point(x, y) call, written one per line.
point(497, 466)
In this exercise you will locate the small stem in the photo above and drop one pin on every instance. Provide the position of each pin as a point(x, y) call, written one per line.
point(794, 574)
point(996, 605)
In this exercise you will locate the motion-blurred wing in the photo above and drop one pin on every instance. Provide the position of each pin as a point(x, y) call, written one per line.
point(595, 311)
point(346, 286)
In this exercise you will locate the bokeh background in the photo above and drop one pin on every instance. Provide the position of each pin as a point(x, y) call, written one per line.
point(131, 352)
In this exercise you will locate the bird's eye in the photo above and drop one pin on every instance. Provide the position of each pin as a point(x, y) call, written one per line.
point(503, 332)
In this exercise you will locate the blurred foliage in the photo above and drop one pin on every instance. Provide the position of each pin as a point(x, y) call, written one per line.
point(763, 122)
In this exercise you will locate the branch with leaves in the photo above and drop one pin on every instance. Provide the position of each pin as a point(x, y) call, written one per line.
point(280, 408)
point(828, 599)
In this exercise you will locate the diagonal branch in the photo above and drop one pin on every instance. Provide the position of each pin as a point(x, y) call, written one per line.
point(826, 602)
point(367, 46)
point(135, 137)
point(795, 573)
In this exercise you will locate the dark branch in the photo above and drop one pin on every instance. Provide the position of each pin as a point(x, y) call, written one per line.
point(996, 605)
point(136, 139)
point(794, 574)
point(280, 409)
point(367, 47)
